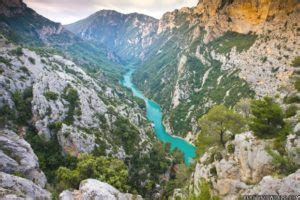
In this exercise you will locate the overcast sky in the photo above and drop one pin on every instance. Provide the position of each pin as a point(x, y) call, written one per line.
point(68, 11)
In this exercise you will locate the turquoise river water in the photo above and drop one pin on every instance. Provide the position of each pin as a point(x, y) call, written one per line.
point(154, 114)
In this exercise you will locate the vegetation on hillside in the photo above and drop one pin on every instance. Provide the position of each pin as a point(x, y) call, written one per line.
point(110, 170)
point(220, 120)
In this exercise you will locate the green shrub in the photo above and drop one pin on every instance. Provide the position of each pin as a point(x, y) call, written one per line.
point(291, 99)
point(264, 59)
point(218, 156)
point(297, 84)
point(18, 51)
point(5, 61)
point(6, 114)
point(55, 126)
point(71, 95)
point(291, 111)
point(267, 120)
point(51, 95)
point(296, 62)
point(31, 60)
point(126, 134)
point(213, 171)
point(109, 170)
point(231, 148)
point(22, 103)
point(283, 163)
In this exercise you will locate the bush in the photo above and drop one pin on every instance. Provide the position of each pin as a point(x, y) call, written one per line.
point(291, 99)
point(126, 134)
point(18, 51)
point(22, 103)
point(31, 60)
point(267, 120)
point(109, 170)
point(283, 163)
point(231, 148)
point(291, 111)
point(55, 126)
point(296, 62)
point(51, 95)
point(297, 84)
point(71, 95)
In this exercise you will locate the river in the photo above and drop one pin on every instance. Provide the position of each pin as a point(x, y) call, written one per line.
point(154, 114)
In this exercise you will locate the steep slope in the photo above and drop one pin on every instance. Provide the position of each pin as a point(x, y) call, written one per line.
point(67, 103)
point(61, 110)
point(219, 52)
point(128, 35)
point(21, 24)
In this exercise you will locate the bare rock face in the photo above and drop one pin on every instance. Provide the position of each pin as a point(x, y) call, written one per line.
point(289, 185)
point(95, 116)
point(246, 166)
point(293, 147)
point(94, 189)
point(243, 15)
point(13, 187)
point(17, 157)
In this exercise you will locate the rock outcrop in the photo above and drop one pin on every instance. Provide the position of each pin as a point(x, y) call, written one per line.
point(246, 170)
point(94, 189)
point(17, 157)
point(20, 175)
point(269, 185)
point(13, 187)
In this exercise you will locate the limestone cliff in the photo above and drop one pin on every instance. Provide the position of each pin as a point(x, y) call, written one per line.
point(243, 168)
point(234, 49)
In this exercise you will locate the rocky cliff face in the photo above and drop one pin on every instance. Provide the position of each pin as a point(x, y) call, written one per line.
point(231, 50)
point(53, 98)
point(20, 175)
point(52, 78)
point(245, 169)
point(126, 35)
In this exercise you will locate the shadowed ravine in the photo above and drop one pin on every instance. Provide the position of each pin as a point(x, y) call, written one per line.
point(154, 115)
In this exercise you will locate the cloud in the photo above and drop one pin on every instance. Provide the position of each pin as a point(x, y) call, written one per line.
point(68, 11)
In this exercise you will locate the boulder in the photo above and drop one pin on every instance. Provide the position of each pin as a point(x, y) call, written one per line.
point(17, 156)
point(289, 185)
point(94, 189)
point(13, 187)
point(253, 160)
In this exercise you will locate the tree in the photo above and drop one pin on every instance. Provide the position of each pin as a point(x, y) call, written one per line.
point(219, 120)
point(110, 170)
point(267, 120)
point(243, 107)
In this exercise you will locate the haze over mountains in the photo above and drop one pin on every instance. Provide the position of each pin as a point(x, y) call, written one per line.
point(61, 98)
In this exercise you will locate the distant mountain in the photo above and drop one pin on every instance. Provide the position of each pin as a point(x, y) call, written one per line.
point(128, 35)
point(23, 25)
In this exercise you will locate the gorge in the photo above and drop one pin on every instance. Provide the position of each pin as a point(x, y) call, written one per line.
point(203, 103)
point(154, 114)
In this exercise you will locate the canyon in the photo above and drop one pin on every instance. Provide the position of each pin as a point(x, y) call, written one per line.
point(63, 88)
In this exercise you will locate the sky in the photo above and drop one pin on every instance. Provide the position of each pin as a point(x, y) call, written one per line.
point(68, 11)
